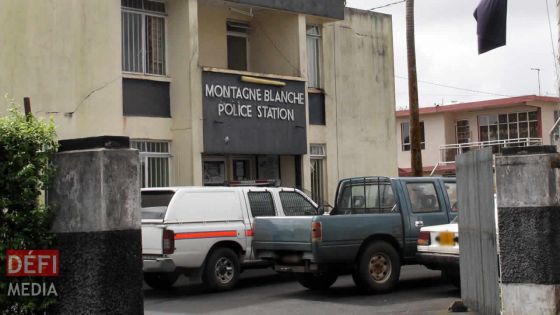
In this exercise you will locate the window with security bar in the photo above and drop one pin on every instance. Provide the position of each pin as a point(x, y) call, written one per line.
point(143, 36)
point(155, 159)
point(463, 131)
point(314, 56)
point(295, 204)
point(261, 204)
point(318, 154)
point(508, 126)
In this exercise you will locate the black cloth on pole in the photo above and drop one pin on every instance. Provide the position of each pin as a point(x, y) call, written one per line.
point(491, 16)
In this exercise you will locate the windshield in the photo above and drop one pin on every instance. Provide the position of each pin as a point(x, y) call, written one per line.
point(154, 204)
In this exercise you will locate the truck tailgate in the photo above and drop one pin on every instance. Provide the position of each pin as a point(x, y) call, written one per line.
point(152, 239)
point(283, 233)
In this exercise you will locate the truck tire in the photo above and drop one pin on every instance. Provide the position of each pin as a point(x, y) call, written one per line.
point(320, 281)
point(222, 269)
point(160, 280)
point(378, 268)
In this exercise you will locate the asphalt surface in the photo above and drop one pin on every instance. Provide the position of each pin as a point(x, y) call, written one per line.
point(420, 291)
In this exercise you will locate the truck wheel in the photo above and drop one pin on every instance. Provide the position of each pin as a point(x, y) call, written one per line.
point(222, 270)
point(378, 268)
point(160, 280)
point(321, 281)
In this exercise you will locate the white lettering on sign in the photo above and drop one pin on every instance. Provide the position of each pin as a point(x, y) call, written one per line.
point(236, 110)
point(275, 113)
point(31, 289)
point(231, 98)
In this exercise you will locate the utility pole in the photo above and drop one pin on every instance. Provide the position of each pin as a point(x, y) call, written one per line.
point(27, 107)
point(415, 149)
point(538, 77)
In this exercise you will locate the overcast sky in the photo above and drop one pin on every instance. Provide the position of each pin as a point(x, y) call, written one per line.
point(446, 51)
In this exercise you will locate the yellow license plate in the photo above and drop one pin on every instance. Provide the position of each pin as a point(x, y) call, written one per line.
point(447, 238)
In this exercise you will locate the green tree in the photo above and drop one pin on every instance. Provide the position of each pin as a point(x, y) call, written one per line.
point(26, 144)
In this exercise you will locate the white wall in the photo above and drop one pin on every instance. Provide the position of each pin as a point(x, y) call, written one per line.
point(435, 135)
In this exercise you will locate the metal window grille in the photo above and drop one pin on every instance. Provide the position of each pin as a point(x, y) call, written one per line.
point(261, 204)
point(318, 154)
point(143, 36)
point(508, 126)
point(462, 131)
point(318, 181)
point(155, 159)
point(317, 150)
point(295, 204)
point(314, 56)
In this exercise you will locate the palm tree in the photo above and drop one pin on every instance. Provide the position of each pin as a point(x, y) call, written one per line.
point(415, 149)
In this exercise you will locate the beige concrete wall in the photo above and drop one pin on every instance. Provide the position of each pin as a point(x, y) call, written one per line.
point(360, 97)
point(66, 56)
point(274, 43)
point(212, 40)
point(288, 171)
point(274, 39)
point(317, 134)
point(212, 19)
point(194, 84)
point(184, 72)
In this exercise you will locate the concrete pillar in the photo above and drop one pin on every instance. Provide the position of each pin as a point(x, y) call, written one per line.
point(96, 194)
point(480, 290)
point(528, 192)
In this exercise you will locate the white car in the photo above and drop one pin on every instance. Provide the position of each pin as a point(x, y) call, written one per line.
point(438, 249)
point(206, 232)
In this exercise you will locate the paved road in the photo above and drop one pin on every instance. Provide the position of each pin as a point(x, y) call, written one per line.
point(420, 291)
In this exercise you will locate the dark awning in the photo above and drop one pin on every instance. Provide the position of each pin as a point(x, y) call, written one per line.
point(332, 9)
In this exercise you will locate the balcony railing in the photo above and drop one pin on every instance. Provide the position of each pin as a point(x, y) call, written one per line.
point(448, 152)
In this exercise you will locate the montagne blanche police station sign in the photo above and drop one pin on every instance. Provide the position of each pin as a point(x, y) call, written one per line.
point(246, 117)
point(232, 101)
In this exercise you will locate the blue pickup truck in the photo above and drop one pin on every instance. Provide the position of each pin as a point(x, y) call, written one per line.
point(371, 232)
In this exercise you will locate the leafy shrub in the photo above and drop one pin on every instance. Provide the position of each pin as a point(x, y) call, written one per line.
point(26, 143)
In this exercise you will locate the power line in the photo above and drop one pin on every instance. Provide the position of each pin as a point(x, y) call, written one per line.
point(454, 87)
point(387, 5)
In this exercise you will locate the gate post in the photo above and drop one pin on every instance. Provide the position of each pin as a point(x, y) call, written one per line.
point(528, 192)
point(477, 232)
point(96, 197)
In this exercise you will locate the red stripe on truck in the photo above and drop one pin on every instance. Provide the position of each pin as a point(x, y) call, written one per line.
point(210, 234)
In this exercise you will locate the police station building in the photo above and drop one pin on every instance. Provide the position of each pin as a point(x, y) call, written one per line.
point(212, 92)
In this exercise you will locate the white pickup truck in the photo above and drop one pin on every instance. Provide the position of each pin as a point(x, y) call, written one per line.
point(207, 231)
